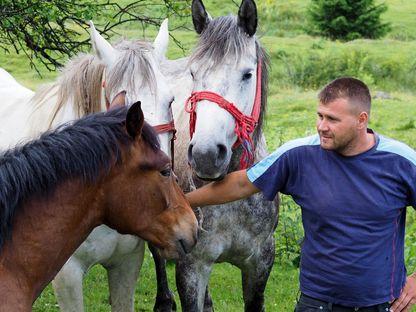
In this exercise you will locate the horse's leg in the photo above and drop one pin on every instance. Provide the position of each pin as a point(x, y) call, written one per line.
point(122, 278)
point(255, 274)
point(208, 306)
point(164, 297)
point(67, 286)
point(192, 281)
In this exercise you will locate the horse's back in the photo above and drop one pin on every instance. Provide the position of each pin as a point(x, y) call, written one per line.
point(8, 82)
point(14, 110)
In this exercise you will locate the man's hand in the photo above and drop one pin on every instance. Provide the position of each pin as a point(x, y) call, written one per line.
point(408, 296)
point(234, 186)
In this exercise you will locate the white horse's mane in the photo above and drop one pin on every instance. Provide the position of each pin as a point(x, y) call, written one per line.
point(81, 80)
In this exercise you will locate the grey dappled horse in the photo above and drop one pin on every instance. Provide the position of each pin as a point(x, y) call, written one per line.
point(241, 233)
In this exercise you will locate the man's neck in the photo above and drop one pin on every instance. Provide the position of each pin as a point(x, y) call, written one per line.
point(365, 142)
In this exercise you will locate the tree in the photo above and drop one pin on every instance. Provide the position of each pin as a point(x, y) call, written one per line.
point(50, 30)
point(348, 19)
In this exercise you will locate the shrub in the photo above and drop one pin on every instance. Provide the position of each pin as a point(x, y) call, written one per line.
point(348, 19)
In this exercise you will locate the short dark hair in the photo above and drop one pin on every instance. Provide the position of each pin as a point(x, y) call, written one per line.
point(351, 89)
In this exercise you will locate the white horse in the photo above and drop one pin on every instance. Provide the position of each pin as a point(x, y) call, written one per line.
point(227, 66)
point(14, 98)
point(130, 72)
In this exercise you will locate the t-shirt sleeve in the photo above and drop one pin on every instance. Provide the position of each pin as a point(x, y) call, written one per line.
point(270, 175)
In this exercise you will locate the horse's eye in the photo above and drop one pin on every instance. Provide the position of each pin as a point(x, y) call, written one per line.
point(247, 76)
point(166, 172)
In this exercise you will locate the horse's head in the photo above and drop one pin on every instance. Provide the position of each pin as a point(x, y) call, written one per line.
point(225, 62)
point(133, 68)
point(148, 201)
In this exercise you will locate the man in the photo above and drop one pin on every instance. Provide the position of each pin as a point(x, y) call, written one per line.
point(353, 186)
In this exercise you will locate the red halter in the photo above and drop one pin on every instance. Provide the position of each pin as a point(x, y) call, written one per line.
point(168, 127)
point(244, 125)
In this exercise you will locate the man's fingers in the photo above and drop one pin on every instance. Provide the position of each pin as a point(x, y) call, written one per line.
point(408, 308)
point(401, 302)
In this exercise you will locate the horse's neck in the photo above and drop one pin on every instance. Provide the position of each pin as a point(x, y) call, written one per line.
point(45, 234)
point(180, 81)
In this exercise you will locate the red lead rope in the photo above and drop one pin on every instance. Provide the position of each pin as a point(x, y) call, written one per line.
point(244, 125)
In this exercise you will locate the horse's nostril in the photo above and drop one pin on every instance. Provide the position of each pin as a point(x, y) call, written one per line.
point(222, 152)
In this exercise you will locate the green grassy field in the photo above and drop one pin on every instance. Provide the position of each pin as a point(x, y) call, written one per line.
point(300, 65)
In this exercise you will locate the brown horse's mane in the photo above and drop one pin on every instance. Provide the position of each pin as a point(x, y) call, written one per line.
point(85, 149)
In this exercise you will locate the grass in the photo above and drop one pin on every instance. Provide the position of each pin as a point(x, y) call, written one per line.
point(225, 289)
point(295, 57)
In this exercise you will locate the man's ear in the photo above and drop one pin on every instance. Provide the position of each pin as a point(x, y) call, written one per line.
point(363, 119)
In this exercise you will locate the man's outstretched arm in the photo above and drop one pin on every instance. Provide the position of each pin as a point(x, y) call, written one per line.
point(234, 186)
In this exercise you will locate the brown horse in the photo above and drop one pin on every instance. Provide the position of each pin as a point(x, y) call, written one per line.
point(106, 168)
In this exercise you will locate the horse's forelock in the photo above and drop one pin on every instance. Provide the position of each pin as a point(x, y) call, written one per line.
point(134, 63)
point(221, 40)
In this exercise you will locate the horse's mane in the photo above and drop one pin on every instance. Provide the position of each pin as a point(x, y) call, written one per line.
point(81, 79)
point(223, 39)
point(85, 149)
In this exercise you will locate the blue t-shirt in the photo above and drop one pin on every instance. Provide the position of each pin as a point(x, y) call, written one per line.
point(353, 213)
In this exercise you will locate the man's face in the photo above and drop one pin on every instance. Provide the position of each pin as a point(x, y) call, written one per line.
point(337, 125)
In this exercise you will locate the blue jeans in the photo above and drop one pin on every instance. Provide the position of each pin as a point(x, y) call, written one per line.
point(309, 304)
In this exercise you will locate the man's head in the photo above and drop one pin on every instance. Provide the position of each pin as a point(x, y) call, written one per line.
point(343, 113)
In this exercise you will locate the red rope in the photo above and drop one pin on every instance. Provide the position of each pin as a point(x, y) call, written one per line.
point(168, 127)
point(244, 125)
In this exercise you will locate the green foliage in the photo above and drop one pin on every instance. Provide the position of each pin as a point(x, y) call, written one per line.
point(281, 18)
point(54, 30)
point(310, 64)
point(348, 19)
point(289, 233)
point(410, 243)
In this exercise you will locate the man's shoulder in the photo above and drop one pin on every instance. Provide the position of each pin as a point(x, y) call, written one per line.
point(395, 147)
point(312, 140)
point(261, 167)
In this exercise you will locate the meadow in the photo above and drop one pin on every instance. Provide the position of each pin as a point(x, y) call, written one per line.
point(300, 65)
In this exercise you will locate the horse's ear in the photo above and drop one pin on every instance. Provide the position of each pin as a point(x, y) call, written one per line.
point(162, 40)
point(134, 120)
point(102, 48)
point(200, 16)
point(247, 17)
point(119, 100)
